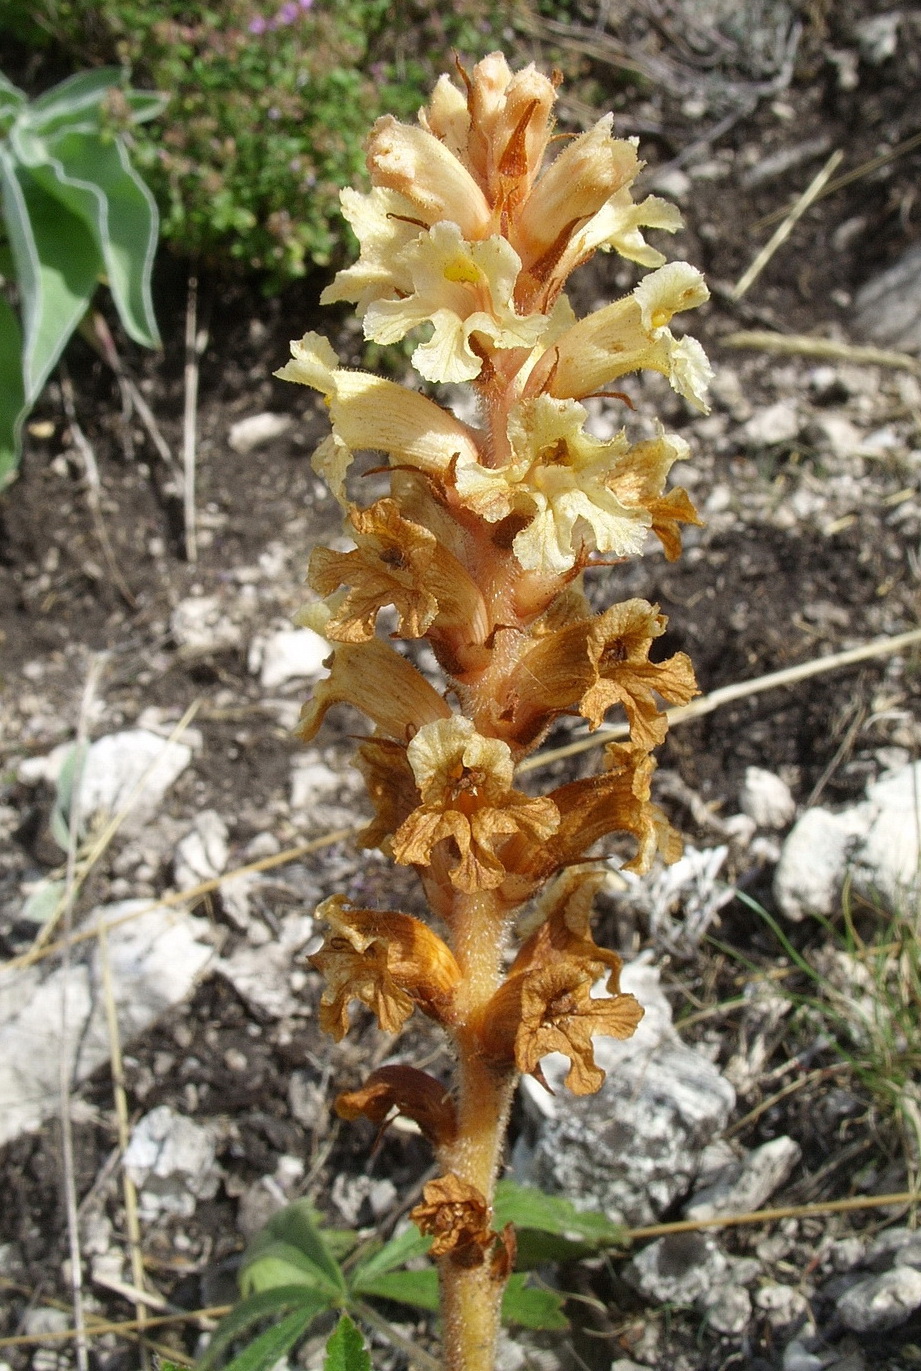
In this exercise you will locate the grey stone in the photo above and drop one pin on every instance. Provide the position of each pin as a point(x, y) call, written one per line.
point(910, 1254)
point(745, 1187)
point(766, 798)
point(812, 864)
point(778, 423)
point(881, 1302)
point(154, 960)
point(727, 1309)
point(201, 627)
point(888, 306)
point(268, 977)
point(633, 1148)
point(888, 860)
point(290, 654)
point(202, 854)
point(677, 1269)
point(785, 1308)
point(171, 1160)
point(797, 1358)
point(257, 429)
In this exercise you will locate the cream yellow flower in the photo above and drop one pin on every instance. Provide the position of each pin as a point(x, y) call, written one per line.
point(462, 289)
point(561, 477)
point(368, 412)
point(632, 335)
point(616, 227)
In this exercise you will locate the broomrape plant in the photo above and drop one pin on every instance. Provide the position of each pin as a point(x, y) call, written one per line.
point(481, 548)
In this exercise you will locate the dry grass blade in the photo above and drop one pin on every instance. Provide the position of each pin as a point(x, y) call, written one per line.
point(802, 345)
point(849, 177)
point(190, 420)
point(93, 489)
point(811, 193)
point(70, 893)
point(129, 1194)
point(901, 1199)
point(817, 666)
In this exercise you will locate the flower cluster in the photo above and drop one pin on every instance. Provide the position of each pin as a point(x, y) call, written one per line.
point(481, 548)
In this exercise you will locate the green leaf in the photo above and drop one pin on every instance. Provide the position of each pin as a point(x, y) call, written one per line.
point(57, 266)
point(532, 1306)
point(282, 1264)
point(94, 178)
point(346, 1350)
point(68, 780)
point(11, 97)
point(418, 1288)
point(297, 1226)
point(272, 1345)
point(256, 1309)
point(146, 104)
point(43, 901)
point(527, 1207)
point(13, 407)
point(397, 1252)
point(74, 102)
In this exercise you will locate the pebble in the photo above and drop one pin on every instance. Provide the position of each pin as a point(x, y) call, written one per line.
point(201, 627)
point(881, 1302)
point(812, 864)
point(172, 1161)
point(778, 423)
point(678, 1268)
point(747, 1185)
point(291, 654)
point(202, 854)
point(797, 1358)
point(888, 860)
point(728, 1309)
point(888, 306)
point(784, 1307)
point(766, 798)
point(257, 429)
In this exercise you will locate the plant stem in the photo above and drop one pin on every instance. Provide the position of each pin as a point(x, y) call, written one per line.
point(472, 1296)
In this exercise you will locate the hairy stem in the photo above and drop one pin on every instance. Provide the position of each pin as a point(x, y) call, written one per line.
point(472, 1296)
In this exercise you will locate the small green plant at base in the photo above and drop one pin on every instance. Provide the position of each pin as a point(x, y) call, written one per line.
point(75, 212)
point(295, 1270)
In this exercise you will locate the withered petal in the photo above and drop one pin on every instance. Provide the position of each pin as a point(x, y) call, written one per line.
point(408, 1091)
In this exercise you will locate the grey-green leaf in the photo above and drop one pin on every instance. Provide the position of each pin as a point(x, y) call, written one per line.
point(283, 1264)
point(74, 101)
point(94, 177)
point(11, 97)
point(346, 1349)
point(13, 407)
point(296, 1225)
point(57, 266)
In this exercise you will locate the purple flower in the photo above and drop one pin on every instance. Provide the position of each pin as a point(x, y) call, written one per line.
point(288, 13)
point(257, 25)
point(305, 5)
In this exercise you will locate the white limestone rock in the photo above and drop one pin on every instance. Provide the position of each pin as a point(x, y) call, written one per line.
point(746, 1186)
point(290, 654)
point(881, 1302)
point(812, 864)
point(172, 1161)
point(258, 429)
point(154, 959)
point(766, 798)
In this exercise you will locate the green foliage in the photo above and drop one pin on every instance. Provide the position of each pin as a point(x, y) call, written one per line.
point(345, 1350)
point(75, 211)
point(292, 1272)
point(270, 105)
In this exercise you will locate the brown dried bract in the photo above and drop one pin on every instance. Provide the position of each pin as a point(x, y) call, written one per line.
point(455, 1213)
